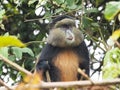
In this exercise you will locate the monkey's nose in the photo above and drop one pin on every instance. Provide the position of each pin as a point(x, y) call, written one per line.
point(69, 35)
point(70, 38)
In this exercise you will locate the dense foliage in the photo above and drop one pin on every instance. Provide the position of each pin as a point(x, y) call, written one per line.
point(28, 20)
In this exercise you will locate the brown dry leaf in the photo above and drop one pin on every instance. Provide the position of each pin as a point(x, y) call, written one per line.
point(29, 82)
point(20, 86)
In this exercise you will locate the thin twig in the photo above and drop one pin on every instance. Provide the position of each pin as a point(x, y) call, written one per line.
point(16, 66)
point(31, 42)
point(4, 84)
point(85, 75)
point(104, 43)
point(118, 44)
point(83, 8)
point(114, 23)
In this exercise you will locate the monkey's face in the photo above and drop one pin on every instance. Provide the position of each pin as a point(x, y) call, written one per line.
point(65, 34)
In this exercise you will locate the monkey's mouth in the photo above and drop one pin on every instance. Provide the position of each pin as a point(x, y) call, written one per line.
point(70, 40)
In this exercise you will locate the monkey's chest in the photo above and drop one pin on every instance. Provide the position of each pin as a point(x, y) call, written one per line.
point(67, 63)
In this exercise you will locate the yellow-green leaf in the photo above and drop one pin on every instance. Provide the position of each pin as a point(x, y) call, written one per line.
point(112, 9)
point(10, 41)
point(113, 37)
point(116, 34)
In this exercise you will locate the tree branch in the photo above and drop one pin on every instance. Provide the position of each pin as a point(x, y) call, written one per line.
point(77, 83)
point(16, 66)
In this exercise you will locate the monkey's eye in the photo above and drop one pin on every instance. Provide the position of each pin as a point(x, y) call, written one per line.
point(65, 26)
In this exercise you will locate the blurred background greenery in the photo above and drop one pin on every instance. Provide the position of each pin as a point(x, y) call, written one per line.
point(28, 20)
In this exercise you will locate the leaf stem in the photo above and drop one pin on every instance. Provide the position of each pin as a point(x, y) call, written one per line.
point(103, 40)
point(31, 42)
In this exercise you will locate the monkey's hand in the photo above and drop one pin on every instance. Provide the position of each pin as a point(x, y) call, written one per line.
point(42, 65)
point(41, 68)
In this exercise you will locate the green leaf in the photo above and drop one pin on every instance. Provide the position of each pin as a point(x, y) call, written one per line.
point(47, 14)
point(95, 24)
point(111, 65)
point(17, 52)
point(59, 1)
point(10, 41)
point(98, 2)
point(112, 9)
point(2, 12)
point(2, 26)
point(86, 21)
point(58, 10)
point(31, 2)
point(12, 58)
point(112, 72)
point(6, 34)
point(4, 51)
point(73, 7)
point(71, 4)
point(28, 50)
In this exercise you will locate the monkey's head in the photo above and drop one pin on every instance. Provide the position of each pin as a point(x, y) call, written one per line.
point(63, 32)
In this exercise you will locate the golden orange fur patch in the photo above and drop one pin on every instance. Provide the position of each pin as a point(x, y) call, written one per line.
point(67, 62)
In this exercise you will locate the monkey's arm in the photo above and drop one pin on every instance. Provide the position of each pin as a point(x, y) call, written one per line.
point(47, 54)
point(83, 53)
